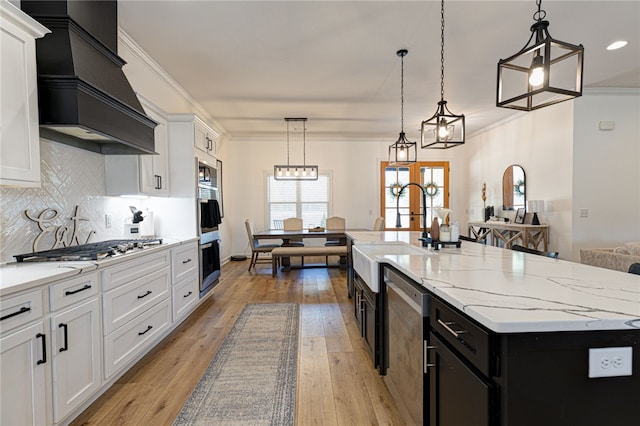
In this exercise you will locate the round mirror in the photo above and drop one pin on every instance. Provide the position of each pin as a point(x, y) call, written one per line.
point(514, 195)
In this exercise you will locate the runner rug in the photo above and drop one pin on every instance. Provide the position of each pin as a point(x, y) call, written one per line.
point(252, 378)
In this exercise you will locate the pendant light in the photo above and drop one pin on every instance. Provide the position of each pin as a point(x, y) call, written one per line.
point(402, 152)
point(544, 72)
point(296, 172)
point(444, 129)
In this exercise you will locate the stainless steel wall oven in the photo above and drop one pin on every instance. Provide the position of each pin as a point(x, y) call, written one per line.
point(209, 218)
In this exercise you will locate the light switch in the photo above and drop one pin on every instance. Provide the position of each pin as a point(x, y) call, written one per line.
point(607, 125)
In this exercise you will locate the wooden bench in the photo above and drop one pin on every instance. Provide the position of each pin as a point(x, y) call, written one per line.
point(280, 252)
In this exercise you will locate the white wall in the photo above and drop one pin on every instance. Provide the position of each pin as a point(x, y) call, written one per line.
point(606, 178)
point(542, 143)
point(571, 165)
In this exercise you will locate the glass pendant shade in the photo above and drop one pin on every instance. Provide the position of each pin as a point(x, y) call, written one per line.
point(402, 152)
point(443, 130)
point(544, 72)
point(302, 171)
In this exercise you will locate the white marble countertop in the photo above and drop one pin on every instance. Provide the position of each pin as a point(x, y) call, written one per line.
point(514, 292)
point(15, 277)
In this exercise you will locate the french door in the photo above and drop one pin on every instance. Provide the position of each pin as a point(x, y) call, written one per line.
point(406, 207)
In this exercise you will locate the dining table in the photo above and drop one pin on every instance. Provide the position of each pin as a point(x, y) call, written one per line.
point(287, 236)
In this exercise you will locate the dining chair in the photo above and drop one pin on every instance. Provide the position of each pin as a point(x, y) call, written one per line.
point(294, 224)
point(257, 249)
point(278, 224)
point(333, 223)
point(551, 254)
point(378, 225)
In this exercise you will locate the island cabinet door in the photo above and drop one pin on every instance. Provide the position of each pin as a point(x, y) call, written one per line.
point(458, 395)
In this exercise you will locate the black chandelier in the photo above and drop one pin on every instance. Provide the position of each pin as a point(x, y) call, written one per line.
point(296, 172)
point(544, 72)
point(402, 152)
point(444, 129)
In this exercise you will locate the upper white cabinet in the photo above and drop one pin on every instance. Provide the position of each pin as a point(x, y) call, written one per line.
point(193, 128)
point(19, 133)
point(142, 174)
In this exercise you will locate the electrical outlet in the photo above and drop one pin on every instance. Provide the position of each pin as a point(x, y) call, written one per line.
point(107, 221)
point(584, 212)
point(610, 362)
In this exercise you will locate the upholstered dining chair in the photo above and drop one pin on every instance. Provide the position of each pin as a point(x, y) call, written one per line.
point(258, 249)
point(294, 224)
point(333, 223)
point(378, 225)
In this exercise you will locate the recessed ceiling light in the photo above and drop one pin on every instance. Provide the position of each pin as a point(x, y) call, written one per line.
point(617, 45)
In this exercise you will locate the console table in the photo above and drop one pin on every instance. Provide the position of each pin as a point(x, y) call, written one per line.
point(507, 234)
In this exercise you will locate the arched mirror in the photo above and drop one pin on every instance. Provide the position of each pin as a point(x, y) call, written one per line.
point(514, 195)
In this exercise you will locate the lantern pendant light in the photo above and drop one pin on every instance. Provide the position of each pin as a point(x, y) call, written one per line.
point(544, 72)
point(444, 129)
point(402, 152)
point(296, 172)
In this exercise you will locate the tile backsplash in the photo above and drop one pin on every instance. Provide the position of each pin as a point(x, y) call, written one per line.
point(70, 177)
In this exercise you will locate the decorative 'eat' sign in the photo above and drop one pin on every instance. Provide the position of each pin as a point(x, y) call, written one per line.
point(61, 233)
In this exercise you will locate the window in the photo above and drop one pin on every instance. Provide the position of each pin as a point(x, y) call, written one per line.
point(434, 176)
point(308, 200)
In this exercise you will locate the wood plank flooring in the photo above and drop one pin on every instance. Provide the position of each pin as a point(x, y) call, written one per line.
point(337, 384)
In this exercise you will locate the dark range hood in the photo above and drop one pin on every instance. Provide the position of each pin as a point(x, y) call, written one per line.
point(84, 97)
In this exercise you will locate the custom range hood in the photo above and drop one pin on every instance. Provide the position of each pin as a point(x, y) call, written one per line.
point(84, 98)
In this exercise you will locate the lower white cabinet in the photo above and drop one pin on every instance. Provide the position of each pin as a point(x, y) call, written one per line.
point(124, 344)
point(186, 295)
point(75, 356)
point(24, 368)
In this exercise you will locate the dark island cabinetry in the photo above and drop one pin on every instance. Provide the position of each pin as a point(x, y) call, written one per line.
point(478, 377)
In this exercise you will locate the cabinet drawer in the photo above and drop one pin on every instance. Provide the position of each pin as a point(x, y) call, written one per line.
point(125, 272)
point(129, 341)
point(68, 292)
point(185, 295)
point(467, 337)
point(124, 303)
point(185, 260)
point(19, 310)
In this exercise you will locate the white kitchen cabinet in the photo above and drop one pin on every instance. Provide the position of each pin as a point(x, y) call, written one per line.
point(186, 279)
point(24, 360)
point(75, 356)
point(136, 307)
point(142, 174)
point(193, 128)
point(19, 133)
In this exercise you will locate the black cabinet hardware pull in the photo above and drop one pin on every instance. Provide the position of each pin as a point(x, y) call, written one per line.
point(66, 337)
point(145, 332)
point(446, 325)
point(44, 348)
point(70, 292)
point(188, 294)
point(145, 295)
point(186, 261)
point(160, 180)
point(21, 311)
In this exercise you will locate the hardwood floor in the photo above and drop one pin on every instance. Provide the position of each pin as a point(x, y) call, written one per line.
point(337, 384)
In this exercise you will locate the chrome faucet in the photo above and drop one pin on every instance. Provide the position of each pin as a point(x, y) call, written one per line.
point(425, 236)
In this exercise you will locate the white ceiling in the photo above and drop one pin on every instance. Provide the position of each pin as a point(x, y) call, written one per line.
point(252, 63)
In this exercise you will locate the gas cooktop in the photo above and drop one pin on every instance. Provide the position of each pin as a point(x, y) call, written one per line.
point(91, 251)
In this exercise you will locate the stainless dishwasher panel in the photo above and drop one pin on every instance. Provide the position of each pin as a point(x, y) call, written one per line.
point(407, 310)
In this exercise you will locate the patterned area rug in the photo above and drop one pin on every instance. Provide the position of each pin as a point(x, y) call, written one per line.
point(252, 378)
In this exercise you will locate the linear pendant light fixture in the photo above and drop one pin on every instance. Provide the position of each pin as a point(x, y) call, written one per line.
point(444, 129)
point(402, 152)
point(544, 72)
point(296, 172)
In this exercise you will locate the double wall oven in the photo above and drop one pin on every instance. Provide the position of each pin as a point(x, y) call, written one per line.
point(209, 218)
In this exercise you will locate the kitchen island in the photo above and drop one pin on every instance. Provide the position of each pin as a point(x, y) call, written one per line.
point(518, 335)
